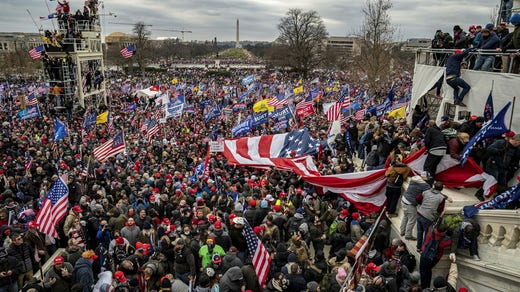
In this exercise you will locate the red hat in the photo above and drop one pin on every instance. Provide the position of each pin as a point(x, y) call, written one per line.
point(138, 245)
point(283, 194)
point(344, 213)
point(473, 118)
point(458, 51)
point(252, 203)
point(156, 190)
point(59, 260)
point(195, 221)
point(169, 176)
point(120, 240)
point(120, 276)
point(276, 208)
point(169, 180)
point(258, 229)
point(166, 221)
point(33, 224)
point(298, 190)
point(231, 217)
point(355, 216)
point(200, 202)
point(77, 209)
point(217, 225)
point(510, 134)
point(157, 175)
point(371, 267)
point(212, 218)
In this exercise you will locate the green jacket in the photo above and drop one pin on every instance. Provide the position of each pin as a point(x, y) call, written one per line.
point(206, 255)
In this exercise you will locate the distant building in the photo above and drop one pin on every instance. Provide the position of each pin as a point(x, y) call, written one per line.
point(348, 46)
point(120, 39)
point(416, 43)
point(13, 41)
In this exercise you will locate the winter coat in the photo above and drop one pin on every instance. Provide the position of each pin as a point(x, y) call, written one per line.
point(453, 63)
point(514, 42)
point(62, 283)
point(205, 254)
point(84, 274)
point(489, 43)
point(434, 141)
point(10, 263)
point(444, 241)
point(250, 278)
point(230, 260)
point(395, 170)
point(222, 238)
point(69, 221)
point(130, 233)
point(232, 280)
point(296, 282)
point(23, 254)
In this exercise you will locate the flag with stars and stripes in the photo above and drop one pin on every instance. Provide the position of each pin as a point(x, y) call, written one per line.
point(28, 160)
point(110, 148)
point(279, 99)
point(280, 151)
point(153, 128)
point(259, 254)
point(54, 207)
point(31, 100)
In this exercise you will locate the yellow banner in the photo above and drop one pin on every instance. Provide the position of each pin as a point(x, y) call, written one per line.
point(298, 90)
point(398, 113)
point(102, 118)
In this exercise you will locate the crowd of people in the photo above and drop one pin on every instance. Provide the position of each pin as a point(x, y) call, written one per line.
point(490, 41)
point(141, 221)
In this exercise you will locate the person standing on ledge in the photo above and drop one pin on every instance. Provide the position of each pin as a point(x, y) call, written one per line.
point(453, 79)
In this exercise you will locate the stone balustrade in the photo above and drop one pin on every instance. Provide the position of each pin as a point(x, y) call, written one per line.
point(499, 228)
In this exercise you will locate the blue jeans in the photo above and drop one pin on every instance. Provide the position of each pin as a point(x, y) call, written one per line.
point(484, 62)
point(507, 5)
point(183, 277)
point(457, 83)
point(423, 225)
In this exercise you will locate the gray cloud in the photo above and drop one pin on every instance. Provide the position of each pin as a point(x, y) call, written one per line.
point(258, 18)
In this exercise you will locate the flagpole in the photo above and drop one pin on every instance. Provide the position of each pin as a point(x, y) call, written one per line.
point(512, 113)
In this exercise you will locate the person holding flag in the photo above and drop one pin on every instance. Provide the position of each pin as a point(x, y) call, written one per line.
point(504, 155)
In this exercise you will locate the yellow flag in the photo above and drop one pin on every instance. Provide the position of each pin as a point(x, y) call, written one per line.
point(262, 106)
point(298, 90)
point(336, 88)
point(300, 82)
point(175, 81)
point(398, 113)
point(102, 118)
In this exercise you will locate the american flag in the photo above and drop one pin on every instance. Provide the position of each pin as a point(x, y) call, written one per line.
point(144, 126)
point(345, 101)
point(28, 160)
point(153, 128)
point(275, 151)
point(88, 171)
point(54, 207)
point(36, 52)
point(110, 148)
point(277, 100)
point(360, 115)
point(128, 51)
point(304, 104)
point(259, 254)
point(110, 124)
point(333, 112)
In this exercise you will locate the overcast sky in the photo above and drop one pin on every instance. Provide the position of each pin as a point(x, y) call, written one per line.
point(258, 18)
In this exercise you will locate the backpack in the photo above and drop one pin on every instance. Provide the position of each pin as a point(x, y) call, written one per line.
point(431, 251)
point(409, 261)
point(399, 180)
point(325, 283)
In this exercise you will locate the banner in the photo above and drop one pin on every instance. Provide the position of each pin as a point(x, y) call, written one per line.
point(282, 114)
point(29, 113)
point(262, 106)
point(173, 110)
point(305, 111)
point(259, 118)
point(248, 79)
point(242, 128)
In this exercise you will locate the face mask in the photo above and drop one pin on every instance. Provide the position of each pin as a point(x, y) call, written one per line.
point(187, 233)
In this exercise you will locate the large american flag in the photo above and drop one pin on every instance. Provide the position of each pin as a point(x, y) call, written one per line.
point(110, 148)
point(144, 126)
point(28, 160)
point(259, 254)
point(275, 151)
point(36, 52)
point(360, 114)
point(153, 128)
point(128, 51)
point(54, 207)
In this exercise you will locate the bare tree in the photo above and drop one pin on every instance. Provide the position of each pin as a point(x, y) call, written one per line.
point(377, 35)
point(303, 32)
point(142, 45)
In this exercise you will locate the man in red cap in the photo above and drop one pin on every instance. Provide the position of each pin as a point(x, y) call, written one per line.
point(121, 250)
point(250, 213)
point(59, 277)
point(74, 214)
point(36, 240)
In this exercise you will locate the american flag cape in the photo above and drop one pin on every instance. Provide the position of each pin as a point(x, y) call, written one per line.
point(54, 207)
point(110, 148)
point(259, 254)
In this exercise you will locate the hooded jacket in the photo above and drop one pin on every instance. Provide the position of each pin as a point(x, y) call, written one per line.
point(398, 169)
point(230, 260)
point(232, 280)
point(84, 274)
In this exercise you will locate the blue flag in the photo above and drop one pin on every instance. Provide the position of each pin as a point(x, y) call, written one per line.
point(90, 120)
point(213, 113)
point(29, 113)
point(499, 202)
point(492, 128)
point(386, 105)
point(420, 125)
point(242, 128)
point(488, 108)
point(259, 118)
point(282, 114)
point(60, 130)
point(130, 107)
point(348, 139)
point(248, 79)
point(198, 172)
